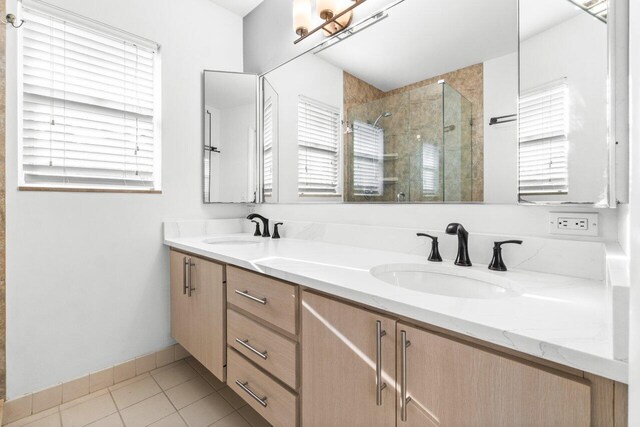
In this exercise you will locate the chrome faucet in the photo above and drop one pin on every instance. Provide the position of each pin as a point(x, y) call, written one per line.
point(265, 223)
point(462, 258)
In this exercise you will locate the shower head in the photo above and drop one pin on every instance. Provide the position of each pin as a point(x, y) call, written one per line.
point(385, 114)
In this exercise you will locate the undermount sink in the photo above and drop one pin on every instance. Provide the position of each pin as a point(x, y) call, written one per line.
point(230, 241)
point(445, 281)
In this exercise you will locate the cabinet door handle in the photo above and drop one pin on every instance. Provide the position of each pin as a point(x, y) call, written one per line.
point(260, 400)
point(379, 384)
point(246, 294)
point(184, 275)
point(190, 287)
point(245, 344)
point(404, 399)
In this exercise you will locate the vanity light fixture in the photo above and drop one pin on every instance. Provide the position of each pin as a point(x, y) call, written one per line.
point(335, 16)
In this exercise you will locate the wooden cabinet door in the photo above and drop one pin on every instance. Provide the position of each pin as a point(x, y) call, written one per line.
point(455, 384)
point(208, 310)
point(339, 363)
point(198, 316)
point(180, 313)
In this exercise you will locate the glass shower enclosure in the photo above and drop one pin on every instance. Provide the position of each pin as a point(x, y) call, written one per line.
point(411, 145)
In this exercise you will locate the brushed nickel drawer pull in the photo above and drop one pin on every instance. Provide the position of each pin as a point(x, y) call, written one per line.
point(191, 288)
point(260, 400)
point(380, 385)
point(246, 294)
point(245, 344)
point(404, 399)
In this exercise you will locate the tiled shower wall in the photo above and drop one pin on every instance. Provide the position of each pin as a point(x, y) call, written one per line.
point(414, 112)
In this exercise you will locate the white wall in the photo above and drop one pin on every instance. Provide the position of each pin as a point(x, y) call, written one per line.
point(87, 275)
point(500, 141)
point(313, 78)
point(634, 215)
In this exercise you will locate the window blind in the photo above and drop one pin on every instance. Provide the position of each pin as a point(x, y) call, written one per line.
point(430, 168)
point(268, 147)
point(88, 107)
point(318, 148)
point(543, 144)
point(368, 159)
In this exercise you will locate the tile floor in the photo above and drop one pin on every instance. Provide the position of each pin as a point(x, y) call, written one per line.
point(181, 394)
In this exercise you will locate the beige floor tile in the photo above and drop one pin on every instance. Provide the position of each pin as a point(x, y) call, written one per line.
point(124, 371)
point(186, 393)
point(129, 381)
point(173, 375)
point(166, 356)
point(232, 397)
point(16, 409)
point(173, 420)
point(33, 419)
point(88, 411)
point(46, 399)
point(233, 420)
point(206, 411)
point(135, 392)
point(83, 399)
point(148, 411)
point(112, 420)
point(52, 420)
point(206, 374)
point(74, 389)
point(180, 352)
point(145, 363)
point(253, 417)
point(101, 379)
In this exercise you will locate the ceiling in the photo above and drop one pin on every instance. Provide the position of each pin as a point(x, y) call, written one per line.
point(426, 38)
point(239, 7)
point(540, 15)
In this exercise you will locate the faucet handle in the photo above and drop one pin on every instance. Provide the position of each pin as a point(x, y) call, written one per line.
point(257, 232)
point(276, 233)
point(497, 263)
point(434, 256)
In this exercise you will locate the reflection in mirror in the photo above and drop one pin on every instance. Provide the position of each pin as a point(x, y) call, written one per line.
point(563, 140)
point(229, 152)
point(399, 111)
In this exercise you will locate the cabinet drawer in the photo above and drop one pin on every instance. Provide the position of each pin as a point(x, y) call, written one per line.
point(267, 349)
point(267, 298)
point(268, 398)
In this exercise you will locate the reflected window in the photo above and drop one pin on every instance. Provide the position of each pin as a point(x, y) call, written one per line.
point(543, 130)
point(318, 148)
point(430, 166)
point(368, 159)
point(268, 147)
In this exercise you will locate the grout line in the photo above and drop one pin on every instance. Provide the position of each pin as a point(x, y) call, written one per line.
point(174, 406)
point(117, 409)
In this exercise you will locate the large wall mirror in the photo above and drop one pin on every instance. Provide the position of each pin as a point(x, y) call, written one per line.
point(418, 104)
point(229, 111)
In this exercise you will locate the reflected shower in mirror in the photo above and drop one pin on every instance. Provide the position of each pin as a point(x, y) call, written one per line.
point(230, 143)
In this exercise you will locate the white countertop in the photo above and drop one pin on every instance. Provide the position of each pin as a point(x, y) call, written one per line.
point(558, 318)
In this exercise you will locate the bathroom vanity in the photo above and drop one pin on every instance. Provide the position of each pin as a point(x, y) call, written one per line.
point(314, 334)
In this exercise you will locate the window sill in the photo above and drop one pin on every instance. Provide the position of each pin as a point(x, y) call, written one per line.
point(87, 190)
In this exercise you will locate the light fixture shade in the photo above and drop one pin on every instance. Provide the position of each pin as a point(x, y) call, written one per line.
point(326, 9)
point(301, 16)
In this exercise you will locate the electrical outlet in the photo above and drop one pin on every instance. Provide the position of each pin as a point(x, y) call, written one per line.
point(573, 223)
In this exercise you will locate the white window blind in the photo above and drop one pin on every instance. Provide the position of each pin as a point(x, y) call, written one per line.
point(318, 148)
point(88, 107)
point(368, 159)
point(543, 144)
point(430, 169)
point(268, 147)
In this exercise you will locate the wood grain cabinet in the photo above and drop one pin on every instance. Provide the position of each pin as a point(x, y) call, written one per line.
point(198, 309)
point(448, 383)
point(346, 351)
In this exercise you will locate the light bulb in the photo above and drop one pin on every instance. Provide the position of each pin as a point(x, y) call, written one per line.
point(301, 16)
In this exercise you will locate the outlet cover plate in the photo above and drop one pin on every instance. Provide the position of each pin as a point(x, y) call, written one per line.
point(574, 223)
